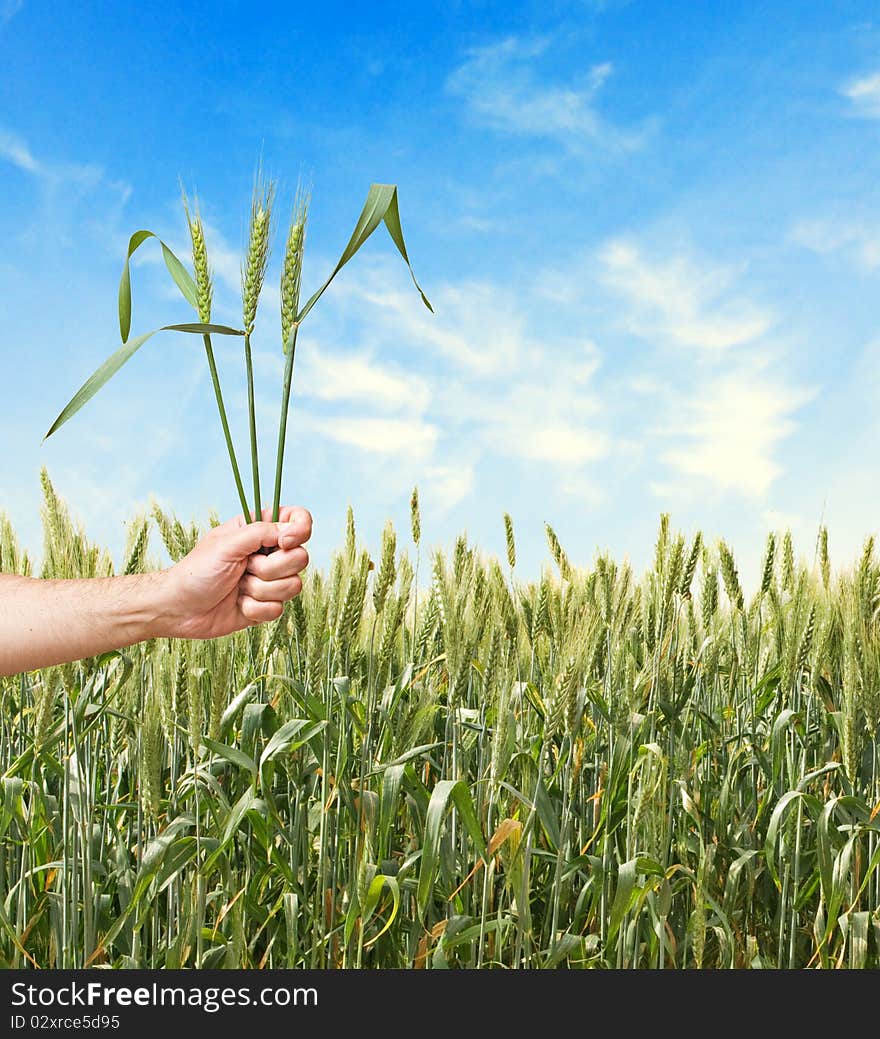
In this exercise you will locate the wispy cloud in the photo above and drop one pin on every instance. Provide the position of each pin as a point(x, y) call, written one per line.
point(678, 300)
point(411, 438)
point(728, 432)
point(504, 89)
point(332, 376)
point(544, 410)
point(9, 9)
point(864, 93)
point(63, 187)
point(449, 484)
point(463, 340)
point(716, 425)
point(475, 384)
point(13, 149)
point(858, 240)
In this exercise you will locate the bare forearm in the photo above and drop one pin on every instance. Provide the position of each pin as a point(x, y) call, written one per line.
point(223, 585)
point(50, 622)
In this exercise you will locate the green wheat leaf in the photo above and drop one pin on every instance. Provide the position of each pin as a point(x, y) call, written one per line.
point(381, 204)
point(116, 360)
point(182, 279)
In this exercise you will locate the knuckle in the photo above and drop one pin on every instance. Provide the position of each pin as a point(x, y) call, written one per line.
point(254, 588)
point(304, 518)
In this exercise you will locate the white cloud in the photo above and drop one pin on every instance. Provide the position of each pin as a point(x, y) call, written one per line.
point(447, 485)
point(479, 385)
point(503, 90)
point(499, 392)
point(728, 430)
point(408, 438)
point(546, 411)
point(716, 425)
point(864, 93)
point(858, 240)
point(13, 149)
point(459, 329)
point(75, 177)
point(679, 300)
point(330, 376)
point(65, 188)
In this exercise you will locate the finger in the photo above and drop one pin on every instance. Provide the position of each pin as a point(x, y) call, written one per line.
point(256, 612)
point(295, 528)
point(286, 513)
point(239, 542)
point(294, 514)
point(270, 591)
point(283, 563)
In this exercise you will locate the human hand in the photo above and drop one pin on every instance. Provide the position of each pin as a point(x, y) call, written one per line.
point(225, 584)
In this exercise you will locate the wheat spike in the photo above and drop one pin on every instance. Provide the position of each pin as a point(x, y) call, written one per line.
point(511, 544)
point(386, 573)
point(558, 553)
point(204, 280)
point(687, 578)
point(153, 747)
point(824, 561)
point(730, 577)
point(787, 563)
point(136, 552)
point(415, 517)
point(291, 269)
point(254, 268)
point(769, 558)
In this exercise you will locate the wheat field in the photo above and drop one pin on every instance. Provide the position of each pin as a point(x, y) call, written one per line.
point(594, 770)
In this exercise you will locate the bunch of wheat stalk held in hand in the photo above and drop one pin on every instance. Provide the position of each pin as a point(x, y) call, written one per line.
point(381, 206)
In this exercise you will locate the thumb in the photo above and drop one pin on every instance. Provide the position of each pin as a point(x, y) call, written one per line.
point(244, 541)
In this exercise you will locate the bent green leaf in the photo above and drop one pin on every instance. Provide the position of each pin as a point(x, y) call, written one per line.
point(446, 791)
point(182, 279)
point(116, 360)
point(380, 205)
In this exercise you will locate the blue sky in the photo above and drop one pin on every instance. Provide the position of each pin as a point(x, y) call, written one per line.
point(652, 244)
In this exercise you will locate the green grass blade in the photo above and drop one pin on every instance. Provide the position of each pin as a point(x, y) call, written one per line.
point(445, 792)
point(198, 328)
point(392, 222)
point(380, 205)
point(178, 272)
point(291, 736)
point(773, 828)
point(136, 240)
point(231, 754)
point(372, 900)
point(98, 378)
point(116, 360)
point(623, 895)
point(182, 278)
point(236, 704)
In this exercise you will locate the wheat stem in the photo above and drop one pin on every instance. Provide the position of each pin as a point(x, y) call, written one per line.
point(252, 426)
point(282, 425)
point(224, 422)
